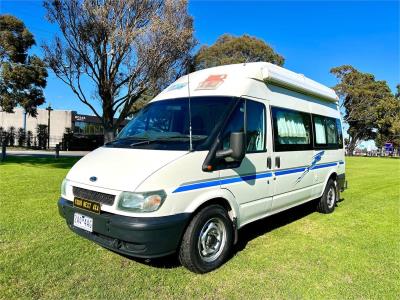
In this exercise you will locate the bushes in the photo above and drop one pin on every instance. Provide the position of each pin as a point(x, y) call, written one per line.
point(18, 137)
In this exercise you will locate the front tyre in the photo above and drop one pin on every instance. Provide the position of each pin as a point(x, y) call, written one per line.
point(329, 198)
point(207, 241)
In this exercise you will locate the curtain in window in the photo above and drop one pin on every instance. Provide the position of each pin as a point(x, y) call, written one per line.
point(331, 131)
point(291, 129)
point(320, 137)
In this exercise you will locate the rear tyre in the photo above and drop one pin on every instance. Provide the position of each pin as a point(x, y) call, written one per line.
point(327, 203)
point(207, 241)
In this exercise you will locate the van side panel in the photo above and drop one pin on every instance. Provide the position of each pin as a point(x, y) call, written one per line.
point(302, 174)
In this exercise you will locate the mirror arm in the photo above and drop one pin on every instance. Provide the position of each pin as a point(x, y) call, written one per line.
point(223, 153)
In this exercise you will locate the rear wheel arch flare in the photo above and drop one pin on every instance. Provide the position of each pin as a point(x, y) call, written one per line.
point(333, 176)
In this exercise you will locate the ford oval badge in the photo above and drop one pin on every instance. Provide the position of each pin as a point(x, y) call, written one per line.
point(93, 178)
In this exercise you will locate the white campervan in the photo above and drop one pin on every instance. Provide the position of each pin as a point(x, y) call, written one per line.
point(216, 150)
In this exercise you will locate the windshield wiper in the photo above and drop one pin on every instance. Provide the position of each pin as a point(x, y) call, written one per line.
point(143, 141)
point(183, 136)
point(128, 138)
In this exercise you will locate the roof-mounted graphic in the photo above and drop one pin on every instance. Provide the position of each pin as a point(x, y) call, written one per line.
point(212, 82)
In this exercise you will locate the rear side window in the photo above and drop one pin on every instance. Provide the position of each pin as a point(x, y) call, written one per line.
point(292, 130)
point(327, 132)
point(340, 134)
point(319, 129)
point(255, 126)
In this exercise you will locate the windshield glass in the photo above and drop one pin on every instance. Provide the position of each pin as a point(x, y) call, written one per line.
point(165, 124)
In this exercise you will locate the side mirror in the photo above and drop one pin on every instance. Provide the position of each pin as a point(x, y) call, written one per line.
point(237, 150)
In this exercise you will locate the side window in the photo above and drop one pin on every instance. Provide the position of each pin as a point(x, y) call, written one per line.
point(339, 133)
point(331, 132)
point(235, 124)
point(319, 128)
point(292, 130)
point(325, 132)
point(255, 126)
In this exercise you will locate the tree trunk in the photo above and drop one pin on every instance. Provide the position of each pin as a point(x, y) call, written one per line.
point(352, 145)
point(350, 149)
point(109, 135)
point(108, 115)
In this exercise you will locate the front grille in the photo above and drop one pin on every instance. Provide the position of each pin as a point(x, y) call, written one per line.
point(93, 196)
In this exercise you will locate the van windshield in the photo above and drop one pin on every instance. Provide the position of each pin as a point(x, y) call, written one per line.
point(165, 124)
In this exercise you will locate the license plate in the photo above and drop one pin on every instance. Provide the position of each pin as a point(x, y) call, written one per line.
point(87, 205)
point(83, 222)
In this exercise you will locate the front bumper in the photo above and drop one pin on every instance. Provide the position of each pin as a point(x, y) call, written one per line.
point(145, 237)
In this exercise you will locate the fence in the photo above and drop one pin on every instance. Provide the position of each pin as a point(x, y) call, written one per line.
point(30, 141)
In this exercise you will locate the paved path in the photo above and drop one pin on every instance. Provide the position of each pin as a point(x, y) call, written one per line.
point(43, 153)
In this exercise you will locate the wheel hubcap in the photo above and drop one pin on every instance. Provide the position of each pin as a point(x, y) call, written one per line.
point(331, 197)
point(212, 239)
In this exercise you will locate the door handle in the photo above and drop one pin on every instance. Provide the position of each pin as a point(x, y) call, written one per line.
point(269, 162)
point(277, 161)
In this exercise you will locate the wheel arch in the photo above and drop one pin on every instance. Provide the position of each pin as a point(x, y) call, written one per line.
point(332, 175)
point(225, 198)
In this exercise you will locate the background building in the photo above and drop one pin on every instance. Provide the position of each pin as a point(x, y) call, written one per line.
point(86, 130)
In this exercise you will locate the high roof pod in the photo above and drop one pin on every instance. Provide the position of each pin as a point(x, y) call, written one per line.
point(243, 79)
point(294, 81)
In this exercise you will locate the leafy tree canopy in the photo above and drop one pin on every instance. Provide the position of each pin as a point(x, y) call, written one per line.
point(123, 48)
point(229, 49)
point(370, 108)
point(22, 76)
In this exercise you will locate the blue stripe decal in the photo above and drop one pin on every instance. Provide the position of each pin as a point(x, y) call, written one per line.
point(324, 165)
point(196, 186)
point(341, 162)
point(289, 171)
point(246, 178)
point(206, 184)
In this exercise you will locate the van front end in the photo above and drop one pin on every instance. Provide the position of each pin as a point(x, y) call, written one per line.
point(131, 195)
point(102, 200)
point(145, 237)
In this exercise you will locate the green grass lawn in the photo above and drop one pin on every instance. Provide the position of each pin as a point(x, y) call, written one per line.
point(352, 253)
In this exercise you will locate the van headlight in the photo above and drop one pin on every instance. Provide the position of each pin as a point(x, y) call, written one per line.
point(64, 186)
point(141, 202)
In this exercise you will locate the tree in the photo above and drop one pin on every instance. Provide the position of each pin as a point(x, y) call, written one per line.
point(29, 136)
point(2, 135)
point(389, 121)
point(67, 139)
point(369, 105)
point(11, 136)
point(21, 136)
point(229, 49)
point(22, 76)
point(42, 136)
point(123, 48)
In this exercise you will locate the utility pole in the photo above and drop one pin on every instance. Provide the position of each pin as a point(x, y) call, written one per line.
point(24, 125)
point(49, 109)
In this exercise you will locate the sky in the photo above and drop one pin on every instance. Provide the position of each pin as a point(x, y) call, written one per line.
point(313, 36)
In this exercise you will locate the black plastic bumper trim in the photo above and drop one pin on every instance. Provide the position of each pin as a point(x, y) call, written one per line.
point(145, 237)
